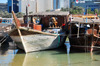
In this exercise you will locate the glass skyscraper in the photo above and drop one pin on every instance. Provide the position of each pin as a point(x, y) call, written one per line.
point(15, 6)
point(58, 4)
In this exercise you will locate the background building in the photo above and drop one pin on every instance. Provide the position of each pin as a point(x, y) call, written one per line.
point(33, 5)
point(64, 3)
point(29, 3)
point(93, 4)
point(3, 6)
point(58, 4)
point(15, 6)
point(43, 5)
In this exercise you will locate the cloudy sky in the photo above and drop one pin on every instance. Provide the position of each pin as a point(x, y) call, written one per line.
point(3, 1)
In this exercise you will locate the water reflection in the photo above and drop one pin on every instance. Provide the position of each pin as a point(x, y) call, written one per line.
point(6, 57)
point(43, 58)
point(93, 57)
point(54, 58)
point(49, 58)
point(68, 56)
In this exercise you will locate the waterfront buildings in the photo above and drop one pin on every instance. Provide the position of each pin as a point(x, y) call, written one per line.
point(30, 5)
point(43, 5)
point(33, 5)
point(64, 3)
point(93, 4)
point(37, 5)
point(20, 6)
point(3, 6)
point(58, 4)
point(15, 6)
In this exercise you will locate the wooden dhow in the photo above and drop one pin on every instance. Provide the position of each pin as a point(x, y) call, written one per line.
point(34, 40)
point(84, 33)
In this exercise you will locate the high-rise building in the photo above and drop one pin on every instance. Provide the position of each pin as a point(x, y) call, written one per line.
point(15, 6)
point(43, 5)
point(30, 4)
point(33, 5)
point(3, 6)
point(64, 3)
point(58, 4)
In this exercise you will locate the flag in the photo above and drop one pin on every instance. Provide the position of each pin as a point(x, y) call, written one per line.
point(28, 5)
point(77, 1)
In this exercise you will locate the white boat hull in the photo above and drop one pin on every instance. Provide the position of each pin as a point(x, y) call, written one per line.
point(36, 42)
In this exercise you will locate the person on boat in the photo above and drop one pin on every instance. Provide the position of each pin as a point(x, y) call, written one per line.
point(34, 21)
point(55, 23)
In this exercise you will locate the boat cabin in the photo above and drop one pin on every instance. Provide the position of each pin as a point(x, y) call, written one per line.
point(46, 20)
point(79, 26)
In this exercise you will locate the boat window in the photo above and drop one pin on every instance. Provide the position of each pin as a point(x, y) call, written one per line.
point(53, 22)
point(36, 20)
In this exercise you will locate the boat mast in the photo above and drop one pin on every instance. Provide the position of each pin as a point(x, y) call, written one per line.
point(36, 6)
point(27, 13)
point(12, 11)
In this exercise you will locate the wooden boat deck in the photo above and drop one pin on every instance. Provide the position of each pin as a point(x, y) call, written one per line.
point(84, 21)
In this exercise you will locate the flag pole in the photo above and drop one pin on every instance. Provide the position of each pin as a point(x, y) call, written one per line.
point(36, 6)
point(27, 13)
point(12, 10)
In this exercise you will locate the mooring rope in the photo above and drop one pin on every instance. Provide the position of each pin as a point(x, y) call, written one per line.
point(78, 31)
point(58, 41)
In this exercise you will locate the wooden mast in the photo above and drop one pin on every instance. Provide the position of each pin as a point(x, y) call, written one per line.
point(36, 6)
point(17, 26)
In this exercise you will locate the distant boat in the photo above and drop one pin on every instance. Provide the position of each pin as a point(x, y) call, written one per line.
point(6, 20)
point(35, 40)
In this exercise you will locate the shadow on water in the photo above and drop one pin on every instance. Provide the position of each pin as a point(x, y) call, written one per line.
point(6, 54)
point(3, 49)
point(8, 44)
point(97, 52)
point(20, 51)
point(63, 50)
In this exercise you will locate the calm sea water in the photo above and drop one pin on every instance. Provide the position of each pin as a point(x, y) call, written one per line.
point(56, 57)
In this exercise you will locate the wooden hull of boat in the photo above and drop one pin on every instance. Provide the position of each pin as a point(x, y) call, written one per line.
point(82, 43)
point(32, 41)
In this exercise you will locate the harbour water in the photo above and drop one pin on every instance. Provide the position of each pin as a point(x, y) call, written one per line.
point(57, 57)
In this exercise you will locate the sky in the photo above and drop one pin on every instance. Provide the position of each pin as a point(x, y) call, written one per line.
point(3, 1)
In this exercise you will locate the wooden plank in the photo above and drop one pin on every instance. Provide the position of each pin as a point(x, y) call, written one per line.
point(16, 22)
